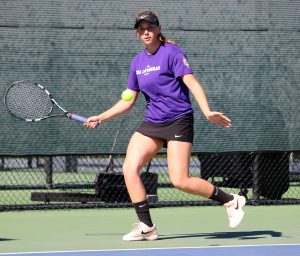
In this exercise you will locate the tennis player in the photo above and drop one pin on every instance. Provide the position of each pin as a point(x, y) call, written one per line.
point(161, 72)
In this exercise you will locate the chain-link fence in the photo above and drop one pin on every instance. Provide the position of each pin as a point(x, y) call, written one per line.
point(97, 181)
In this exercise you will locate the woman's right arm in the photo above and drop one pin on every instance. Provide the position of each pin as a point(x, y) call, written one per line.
point(116, 110)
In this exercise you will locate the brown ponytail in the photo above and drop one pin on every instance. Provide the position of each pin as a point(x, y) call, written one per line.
point(165, 40)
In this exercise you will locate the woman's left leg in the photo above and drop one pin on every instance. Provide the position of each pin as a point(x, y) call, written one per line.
point(178, 154)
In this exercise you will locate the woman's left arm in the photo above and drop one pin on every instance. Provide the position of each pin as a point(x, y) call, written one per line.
point(196, 89)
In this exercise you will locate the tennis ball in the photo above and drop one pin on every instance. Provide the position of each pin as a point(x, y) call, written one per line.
point(127, 95)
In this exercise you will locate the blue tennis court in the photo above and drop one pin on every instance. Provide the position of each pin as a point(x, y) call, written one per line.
point(260, 250)
point(188, 231)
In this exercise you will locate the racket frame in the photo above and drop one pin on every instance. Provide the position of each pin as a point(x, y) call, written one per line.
point(53, 101)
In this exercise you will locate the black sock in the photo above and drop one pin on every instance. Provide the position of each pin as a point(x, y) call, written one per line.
point(143, 213)
point(220, 196)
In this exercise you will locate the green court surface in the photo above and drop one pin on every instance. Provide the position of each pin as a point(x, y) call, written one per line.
point(101, 229)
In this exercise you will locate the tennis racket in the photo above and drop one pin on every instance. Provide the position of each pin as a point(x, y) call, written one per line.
point(31, 102)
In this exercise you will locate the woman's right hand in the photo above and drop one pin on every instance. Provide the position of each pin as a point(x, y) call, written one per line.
point(93, 121)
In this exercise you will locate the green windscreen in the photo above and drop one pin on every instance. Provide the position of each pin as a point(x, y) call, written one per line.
point(244, 53)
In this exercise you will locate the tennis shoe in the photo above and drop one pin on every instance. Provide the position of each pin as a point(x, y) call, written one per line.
point(235, 210)
point(141, 231)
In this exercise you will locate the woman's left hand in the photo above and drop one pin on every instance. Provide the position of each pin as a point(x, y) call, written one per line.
point(219, 119)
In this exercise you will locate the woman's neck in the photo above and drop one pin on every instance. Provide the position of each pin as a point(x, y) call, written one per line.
point(151, 49)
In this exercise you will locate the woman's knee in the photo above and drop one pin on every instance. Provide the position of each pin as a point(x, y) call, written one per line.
point(180, 182)
point(130, 169)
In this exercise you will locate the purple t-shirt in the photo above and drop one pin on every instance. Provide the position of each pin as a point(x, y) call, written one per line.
point(157, 76)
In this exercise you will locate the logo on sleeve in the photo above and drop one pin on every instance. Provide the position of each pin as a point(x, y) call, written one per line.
point(185, 62)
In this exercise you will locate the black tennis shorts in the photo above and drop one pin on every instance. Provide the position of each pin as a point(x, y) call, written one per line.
point(181, 129)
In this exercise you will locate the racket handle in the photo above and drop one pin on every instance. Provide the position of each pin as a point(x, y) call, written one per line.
point(78, 118)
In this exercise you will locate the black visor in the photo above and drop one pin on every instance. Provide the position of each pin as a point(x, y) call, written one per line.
point(147, 17)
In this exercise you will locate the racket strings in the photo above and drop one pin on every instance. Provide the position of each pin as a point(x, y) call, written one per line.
point(27, 100)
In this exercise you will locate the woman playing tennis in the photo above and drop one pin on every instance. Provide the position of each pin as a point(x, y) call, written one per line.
point(162, 74)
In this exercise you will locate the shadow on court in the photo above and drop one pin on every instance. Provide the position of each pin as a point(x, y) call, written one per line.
point(246, 235)
point(6, 239)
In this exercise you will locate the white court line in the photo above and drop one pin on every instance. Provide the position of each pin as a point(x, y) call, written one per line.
point(148, 249)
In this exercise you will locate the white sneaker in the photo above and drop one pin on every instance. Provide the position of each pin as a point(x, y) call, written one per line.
point(141, 231)
point(235, 211)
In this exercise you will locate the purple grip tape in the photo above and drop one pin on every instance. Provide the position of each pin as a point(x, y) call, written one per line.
point(78, 118)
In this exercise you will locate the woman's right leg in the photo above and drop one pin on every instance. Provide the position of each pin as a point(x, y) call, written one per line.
point(141, 149)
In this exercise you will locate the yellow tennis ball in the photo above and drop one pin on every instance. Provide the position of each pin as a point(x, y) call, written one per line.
point(127, 95)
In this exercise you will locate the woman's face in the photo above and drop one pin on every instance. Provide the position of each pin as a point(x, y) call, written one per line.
point(148, 33)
